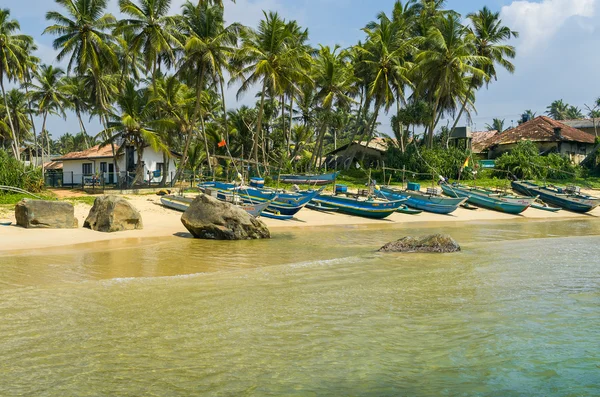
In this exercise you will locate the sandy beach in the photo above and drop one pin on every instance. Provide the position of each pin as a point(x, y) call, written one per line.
point(160, 221)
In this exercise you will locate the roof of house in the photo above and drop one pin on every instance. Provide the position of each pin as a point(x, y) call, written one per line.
point(379, 144)
point(480, 138)
point(95, 152)
point(540, 129)
point(581, 123)
point(53, 165)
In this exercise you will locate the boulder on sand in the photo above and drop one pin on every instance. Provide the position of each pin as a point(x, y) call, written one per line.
point(113, 214)
point(211, 219)
point(438, 243)
point(45, 214)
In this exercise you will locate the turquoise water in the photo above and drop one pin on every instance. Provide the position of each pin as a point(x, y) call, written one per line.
point(312, 312)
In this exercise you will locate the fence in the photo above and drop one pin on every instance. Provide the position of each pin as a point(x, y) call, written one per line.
point(106, 180)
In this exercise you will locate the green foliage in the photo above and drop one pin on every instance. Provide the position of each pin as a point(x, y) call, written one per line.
point(426, 162)
point(14, 173)
point(524, 162)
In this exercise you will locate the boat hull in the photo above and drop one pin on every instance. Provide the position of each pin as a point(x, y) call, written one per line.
point(571, 202)
point(434, 204)
point(509, 205)
point(323, 179)
point(368, 208)
point(182, 203)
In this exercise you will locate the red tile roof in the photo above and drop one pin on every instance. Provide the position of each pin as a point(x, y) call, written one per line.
point(480, 138)
point(540, 129)
point(95, 152)
point(53, 165)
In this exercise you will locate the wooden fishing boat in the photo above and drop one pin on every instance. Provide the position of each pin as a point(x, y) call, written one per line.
point(366, 207)
point(180, 203)
point(429, 202)
point(404, 209)
point(540, 205)
point(7, 223)
point(569, 198)
point(322, 179)
point(486, 198)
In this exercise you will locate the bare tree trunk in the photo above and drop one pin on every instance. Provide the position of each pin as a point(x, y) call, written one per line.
point(15, 142)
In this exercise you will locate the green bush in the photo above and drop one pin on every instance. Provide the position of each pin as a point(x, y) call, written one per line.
point(16, 174)
point(424, 162)
point(524, 162)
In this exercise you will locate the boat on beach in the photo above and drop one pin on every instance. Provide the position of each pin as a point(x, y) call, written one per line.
point(425, 201)
point(180, 203)
point(322, 179)
point(366, 207)
point(569, 198)
point(490, 199)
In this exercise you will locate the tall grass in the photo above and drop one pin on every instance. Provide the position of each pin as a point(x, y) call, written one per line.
point(16, 174)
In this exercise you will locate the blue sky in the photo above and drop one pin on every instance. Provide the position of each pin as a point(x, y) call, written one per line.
point(557, 56)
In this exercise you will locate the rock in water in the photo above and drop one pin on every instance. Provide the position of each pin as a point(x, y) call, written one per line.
point(45, 214)
point(439, 243)
point(113, 214)
point(211, 219)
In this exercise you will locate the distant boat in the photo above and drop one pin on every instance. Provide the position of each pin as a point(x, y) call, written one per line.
point(182, 203)
point(423, 201)
point(569, 198)
point(322, 179)
point(486, 198)
point(369, 208)
point(280, 202)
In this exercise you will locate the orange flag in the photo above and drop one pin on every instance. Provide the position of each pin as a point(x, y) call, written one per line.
point(222, 143)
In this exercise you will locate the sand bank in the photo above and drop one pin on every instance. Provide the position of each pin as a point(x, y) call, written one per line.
point(160, 221)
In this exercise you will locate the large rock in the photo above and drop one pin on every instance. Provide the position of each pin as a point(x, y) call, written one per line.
point(209, 218)
point(45, 214)
point(439, 243)
point(113, 214)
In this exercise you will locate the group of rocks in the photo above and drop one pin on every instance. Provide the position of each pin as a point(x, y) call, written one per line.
point(108, 214)
point(205, 218)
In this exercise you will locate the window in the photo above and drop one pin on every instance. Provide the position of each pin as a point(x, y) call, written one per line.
point(87, 169)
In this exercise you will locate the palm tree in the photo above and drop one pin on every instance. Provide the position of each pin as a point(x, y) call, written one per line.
point(17, 110)
point(558, 110)
point(30, 68)
point(206, 54)
point(78, 100)
point(527, 116)
point(151, 32)
point(133, 125)
point(269, 57)
point(49, 95)
point(334, 79)
point(489, 41)
point(497, 125)
point(447, 65)
point(13, 57)
point(574, 113)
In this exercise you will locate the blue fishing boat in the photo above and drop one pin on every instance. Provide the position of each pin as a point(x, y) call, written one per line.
point(498, 201)
point(569, 198)
point(181, 204)
point(429, 202)
point(366, 207)
point(322, 179)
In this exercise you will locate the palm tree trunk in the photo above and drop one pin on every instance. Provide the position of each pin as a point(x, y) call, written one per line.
point(139, 167)
point(163, 181)
point(224, 111)
point(462, 109)
point(400, 126)
point(289, 136)
point(433, 122)
point(15, 142)
point(283, 122)
point(82, 126)
point(47, 138)
point(259, 126)
point(35, 141)
point(206, 144)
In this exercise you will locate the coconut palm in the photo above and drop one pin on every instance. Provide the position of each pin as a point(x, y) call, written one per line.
point(574, 113)
point(335, 82)
point(558, 110)
point(133, 125)
point(206, 54)
point(490, 38)
point(152, 33)
point(30, 67)
point(270, 58)
point(447, 65)
point(497, 125)
point(78, 100)
point(49, 95)
point(13, 57)
point(17, 110)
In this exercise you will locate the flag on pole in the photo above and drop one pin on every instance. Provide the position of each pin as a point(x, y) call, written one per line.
point(222, 143)
point(466, 164)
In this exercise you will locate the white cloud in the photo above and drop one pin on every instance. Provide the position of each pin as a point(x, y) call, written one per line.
point(537, 23)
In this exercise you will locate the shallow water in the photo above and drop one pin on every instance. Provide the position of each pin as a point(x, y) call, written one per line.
point(311, 312)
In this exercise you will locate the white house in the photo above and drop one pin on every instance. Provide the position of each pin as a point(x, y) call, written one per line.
point(90, 165)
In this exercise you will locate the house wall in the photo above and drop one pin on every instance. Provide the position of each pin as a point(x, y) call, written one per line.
point(73, 169)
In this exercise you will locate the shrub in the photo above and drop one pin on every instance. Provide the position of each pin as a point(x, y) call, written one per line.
point(16, 174)
point(425, 162)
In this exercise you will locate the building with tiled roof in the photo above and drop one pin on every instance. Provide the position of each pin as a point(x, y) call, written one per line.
point(372, 152)
point(550, 136)
point(479, 140)
point(589, 126)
